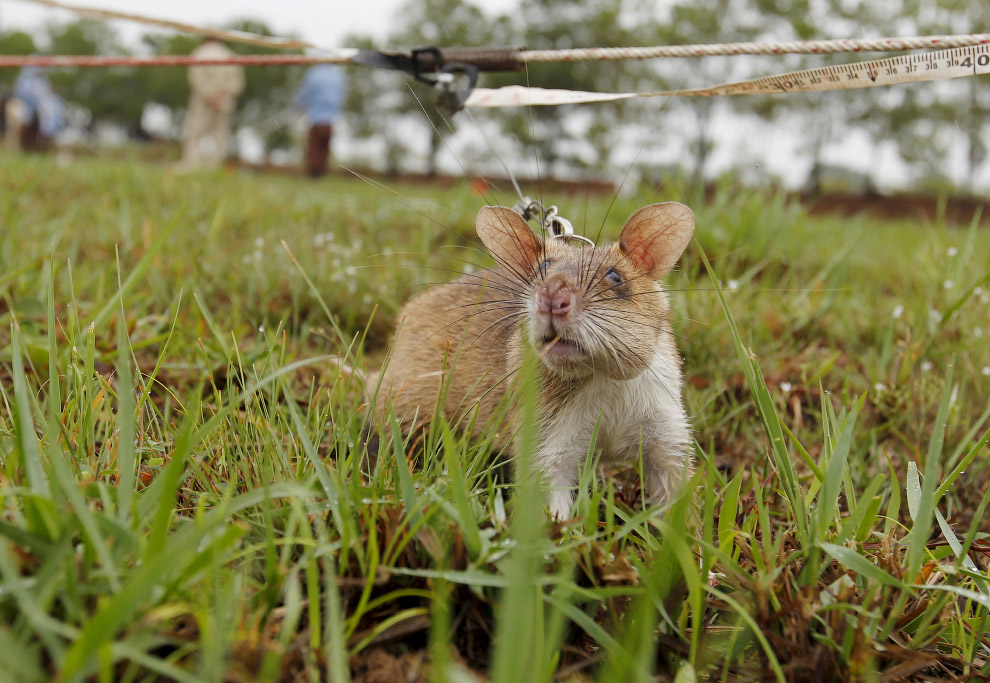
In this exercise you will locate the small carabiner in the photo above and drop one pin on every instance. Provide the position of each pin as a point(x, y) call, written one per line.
point(553, 224)
point(562, 229)
point(557, 225)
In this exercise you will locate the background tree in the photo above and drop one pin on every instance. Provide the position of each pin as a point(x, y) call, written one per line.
point(14, 43)
point(572, 137)
point(114, 94)
point(950, 111)
point(921, 121)
point(822, 118)
point(705, 21)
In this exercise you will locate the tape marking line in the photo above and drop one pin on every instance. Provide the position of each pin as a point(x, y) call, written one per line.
point(957, 62)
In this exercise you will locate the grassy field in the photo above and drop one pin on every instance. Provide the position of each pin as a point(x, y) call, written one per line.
point(185, 494)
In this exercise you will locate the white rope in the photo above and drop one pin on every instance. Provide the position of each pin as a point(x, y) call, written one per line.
point(802, 47)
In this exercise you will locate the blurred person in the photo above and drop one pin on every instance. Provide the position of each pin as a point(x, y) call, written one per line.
point(321, 96)
point(213, 97)
point(34, 114)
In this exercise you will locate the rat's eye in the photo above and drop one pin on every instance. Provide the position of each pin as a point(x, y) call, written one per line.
point(613, 276)
point(545, 265)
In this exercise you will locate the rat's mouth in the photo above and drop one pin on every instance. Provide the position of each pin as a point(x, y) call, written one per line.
point(552, 346)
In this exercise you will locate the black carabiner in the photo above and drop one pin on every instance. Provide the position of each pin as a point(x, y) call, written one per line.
point(452, 99)
point(421, 71)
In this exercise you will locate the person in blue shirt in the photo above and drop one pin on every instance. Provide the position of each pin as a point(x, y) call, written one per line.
point(44, 110)
point(321, 96)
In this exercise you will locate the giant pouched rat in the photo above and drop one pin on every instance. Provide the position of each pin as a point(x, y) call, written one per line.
point(600, 325)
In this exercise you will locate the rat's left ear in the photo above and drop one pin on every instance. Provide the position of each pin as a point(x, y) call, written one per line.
point(508, 237)
point(655, 237)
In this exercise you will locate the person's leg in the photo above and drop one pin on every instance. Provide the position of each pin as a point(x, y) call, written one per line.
point(318, 149)
point(15, 115)
point(219, 136)
point(193, 131)
point(31, 135)
point(325, 145)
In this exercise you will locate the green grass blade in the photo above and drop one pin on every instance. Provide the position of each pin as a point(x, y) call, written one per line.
point(861, 565)
point(127, 462)
point(25, 439)
point(925, 501)
point(139, 271)
point(406, 486)
point(826, 513)
point(767, 411)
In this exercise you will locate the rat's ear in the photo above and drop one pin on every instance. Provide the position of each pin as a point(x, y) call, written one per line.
point(655, 237)
point(508, 237)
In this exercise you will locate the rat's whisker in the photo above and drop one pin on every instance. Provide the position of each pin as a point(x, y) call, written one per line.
point(662, 330)
point(500, 321)
point(409, 204)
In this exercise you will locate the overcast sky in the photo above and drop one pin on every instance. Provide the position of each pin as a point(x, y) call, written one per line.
point(323, 22)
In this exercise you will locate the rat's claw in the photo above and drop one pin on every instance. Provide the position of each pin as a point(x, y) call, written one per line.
point(560, 505)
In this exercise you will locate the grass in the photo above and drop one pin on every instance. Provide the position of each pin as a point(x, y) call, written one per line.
point(186, 495)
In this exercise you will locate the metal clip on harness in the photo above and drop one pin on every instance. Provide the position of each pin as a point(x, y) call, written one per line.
point(554, 225)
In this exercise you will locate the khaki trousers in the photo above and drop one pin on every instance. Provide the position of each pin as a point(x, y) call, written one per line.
point(205, 135)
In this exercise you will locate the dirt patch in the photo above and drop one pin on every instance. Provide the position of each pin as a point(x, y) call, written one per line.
point(919, 208)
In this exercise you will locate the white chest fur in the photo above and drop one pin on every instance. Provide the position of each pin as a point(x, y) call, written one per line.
point(639, 417)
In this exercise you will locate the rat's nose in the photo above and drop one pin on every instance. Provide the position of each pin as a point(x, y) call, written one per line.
point(555, 299)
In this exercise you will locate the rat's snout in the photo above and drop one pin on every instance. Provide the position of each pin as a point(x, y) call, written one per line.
point(556, 297)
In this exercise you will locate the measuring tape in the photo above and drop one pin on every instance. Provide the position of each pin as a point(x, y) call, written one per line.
point(957, 62)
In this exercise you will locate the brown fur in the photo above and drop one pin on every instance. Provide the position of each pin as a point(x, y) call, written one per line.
point(449, 338)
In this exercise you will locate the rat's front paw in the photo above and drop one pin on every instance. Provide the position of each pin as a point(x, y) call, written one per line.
point(560, 505)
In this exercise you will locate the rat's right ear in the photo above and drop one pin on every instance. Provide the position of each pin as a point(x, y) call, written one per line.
point(655, 237)
point(508, 237)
